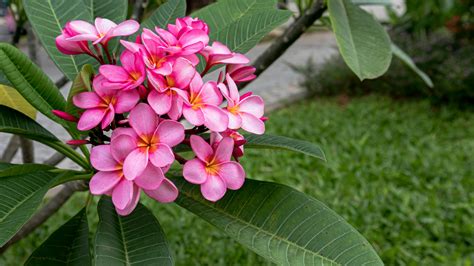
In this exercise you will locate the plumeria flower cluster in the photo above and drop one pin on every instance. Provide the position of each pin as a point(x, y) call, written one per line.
point(154, 99)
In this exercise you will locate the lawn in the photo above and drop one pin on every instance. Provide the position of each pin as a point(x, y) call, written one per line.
point(398, 171)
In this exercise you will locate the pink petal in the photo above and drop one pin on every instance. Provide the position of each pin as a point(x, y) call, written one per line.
point(151, 178)
point(91, 118)
point(104, 25)
point(165, 193)
point(233, 90)
point(114, 73)
point(132, 204)
point(236, 59)
point(170, 133)
point(235, 121)
point(124, 131)
point(195, 117)
point(252, 124)
point(131, 46)
point(194, 36)
point(214, 188)
point(143, 119)
point(126, 100)
point(233, 174)
point(108, 117)
point(166, 36)
point(196, 84)
point(102, 181)
point(183, 73)
point(253, 105)
point(121, 146)
point(102, 159)
point(68, 47)
point(192, 48)
point(135, 163)
point(194, 171)
point(122, 194)
point(160, 102)
point(162, 156)
point(201, 148)
point(215, 118)
point(86, 100)
point(220, 48)
point(83, 37)
point(176, 108)
point(210, 94)
point(224, 150)
point(157, 81)
point(125, 28)
point(82, 27)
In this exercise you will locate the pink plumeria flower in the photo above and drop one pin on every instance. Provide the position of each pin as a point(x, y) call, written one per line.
point(68, 47)
point(110, 180)
point(239, 141)
point(187, 43)
point(244, 112)
point(164, 97)
point(213, 168)
point(128, 76)
point(102, 104)
point(152, 140)
point(186, 24)
point(202, 105)
point(218, 53)
point(241, 73)
point(102, 31)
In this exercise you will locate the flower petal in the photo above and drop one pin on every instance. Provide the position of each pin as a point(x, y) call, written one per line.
point(170, 133)
point(135, 163)
point(122, 194)
point(252, 124)
point(214, 188)
point(126, 100)
point(165, 193)
point(151, 178)
point(194, 36)
point(210, 94)
point(235, 121)
point(183, 73)
point(104, 181)
point(253, 105)
point(82, 27)
point(103, 25)
point(86, 100)
point(114, 73)
point(194, 171)
point(224, 150)
point(102, 159)
point(233, 174)
point(160, 102)
point(108, 117)
point(143, 119)
point(121, 146)
point(91, 118)
point(201, 148)
point(195, 117)
point(125, 28)
point(132, 204)
point(162, 156)
point(215, 118)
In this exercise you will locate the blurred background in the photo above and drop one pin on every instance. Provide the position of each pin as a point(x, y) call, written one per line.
point(400, 153)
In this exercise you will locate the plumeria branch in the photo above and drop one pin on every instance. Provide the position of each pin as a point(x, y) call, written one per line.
point(291, 34)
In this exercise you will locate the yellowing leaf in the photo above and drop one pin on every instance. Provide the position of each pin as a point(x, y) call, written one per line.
point(11, 98)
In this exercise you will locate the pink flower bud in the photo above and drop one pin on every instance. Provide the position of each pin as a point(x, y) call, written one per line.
point(77, 142)
point(65, 116)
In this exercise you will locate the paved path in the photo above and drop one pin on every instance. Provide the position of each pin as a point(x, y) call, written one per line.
point(277, 84)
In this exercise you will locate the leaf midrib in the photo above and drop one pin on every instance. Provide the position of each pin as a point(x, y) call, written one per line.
point(248, 224)
point(124, 243)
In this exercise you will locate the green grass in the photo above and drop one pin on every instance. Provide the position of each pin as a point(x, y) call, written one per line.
point(399, 172)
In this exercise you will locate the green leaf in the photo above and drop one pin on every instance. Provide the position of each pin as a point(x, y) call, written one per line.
point(8, 169)
point(372, 2)
point(30, 81)
point(409, 62)
point(4, 80)
point(48, 17)
point(69, 245)
point(133, 239)
point(81, 83)
point(281, 224)
point(363, 42)
point(115, 10)
point(165, 14)
point(242, 24)
point(12, 121)
point(13, 99)
point(278, 142)
point(21, 196)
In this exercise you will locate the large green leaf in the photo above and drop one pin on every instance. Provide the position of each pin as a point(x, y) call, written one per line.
point(48, 17)
point(406, 59)
point(8, 169)
point(363, 42)
point(281, 224)
point(279, 142)
point(115, 10)
point(13, 99)
point(30, 81)
point(12, 121)
point(21, 196)
point(242, 24)
point(69, 245)
point(133, 239)
point(165, 14)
